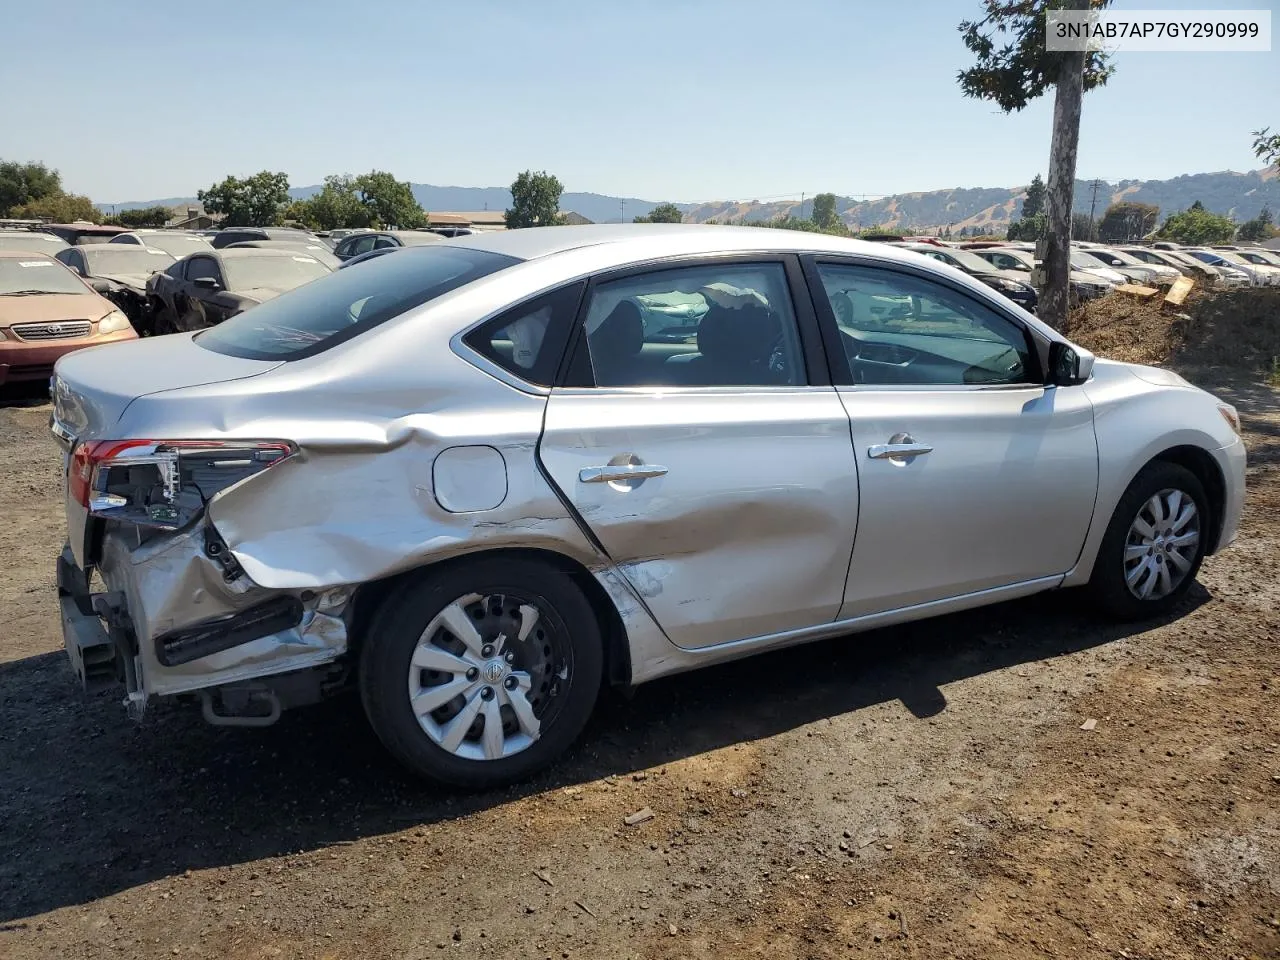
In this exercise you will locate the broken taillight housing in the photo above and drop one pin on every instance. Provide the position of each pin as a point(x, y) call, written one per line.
point(164, 483)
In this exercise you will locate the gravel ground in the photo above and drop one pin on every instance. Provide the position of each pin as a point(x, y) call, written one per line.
point(924, 791)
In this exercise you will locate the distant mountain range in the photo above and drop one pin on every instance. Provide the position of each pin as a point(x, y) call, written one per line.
point(1239, 195)
point(594, 206)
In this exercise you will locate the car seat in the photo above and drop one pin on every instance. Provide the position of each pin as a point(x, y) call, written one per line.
point(615, 345)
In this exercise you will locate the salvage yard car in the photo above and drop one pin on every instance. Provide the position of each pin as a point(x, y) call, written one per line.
point(31, 240)
point(177, 243)
point(206, 288)
point(120, 274)
point(465, 480)
point(47, 311)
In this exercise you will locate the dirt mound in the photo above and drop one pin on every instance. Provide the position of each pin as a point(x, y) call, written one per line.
point(1237, 329)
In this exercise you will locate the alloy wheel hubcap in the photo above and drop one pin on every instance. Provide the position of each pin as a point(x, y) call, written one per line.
point(1162, 544)
point(486, 675)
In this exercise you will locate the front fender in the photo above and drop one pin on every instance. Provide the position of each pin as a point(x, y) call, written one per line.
point(1135, 421)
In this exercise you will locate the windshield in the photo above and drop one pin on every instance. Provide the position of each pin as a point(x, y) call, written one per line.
point(1085, 261)
point(418, 239)
point(970, 261)
point(279, 273)
point(118, 258)
point(348, 302)
point(35, 242)
point(37, 275)
point(1115, 258)
point(1230, 257)
point(178, 244)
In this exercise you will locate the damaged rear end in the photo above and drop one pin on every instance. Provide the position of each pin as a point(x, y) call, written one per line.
point(151, 596)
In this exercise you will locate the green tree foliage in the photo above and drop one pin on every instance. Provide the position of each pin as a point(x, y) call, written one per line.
point(335, 206)
point(1196, 225)
point(1260, 227)
point(143, 217)
point(25, 183)
point(1083, 227)
point(1017, 69)
point(389, 202)
point(1029, 229)
point(60, 208)
point(1127, 220)
point(662, 213)
point(824, 211)
point(255, 201)
point(535, 201)
point(1033, 202)
point(1266, 145)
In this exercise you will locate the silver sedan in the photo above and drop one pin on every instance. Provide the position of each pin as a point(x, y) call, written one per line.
point(480, 478)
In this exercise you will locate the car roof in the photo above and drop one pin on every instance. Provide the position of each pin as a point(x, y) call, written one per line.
point(23, 255)
point(643, 241)
point(242, 253)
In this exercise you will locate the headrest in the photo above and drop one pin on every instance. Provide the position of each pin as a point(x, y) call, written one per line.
point(742, 335)
point(621, 333)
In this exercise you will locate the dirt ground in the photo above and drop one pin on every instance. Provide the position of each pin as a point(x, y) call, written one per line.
point(924, 791)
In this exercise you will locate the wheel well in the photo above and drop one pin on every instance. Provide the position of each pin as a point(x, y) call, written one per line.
point(370, 596)
point(1200, 462)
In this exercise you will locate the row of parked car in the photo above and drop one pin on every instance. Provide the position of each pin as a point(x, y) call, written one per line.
point(1097, 268)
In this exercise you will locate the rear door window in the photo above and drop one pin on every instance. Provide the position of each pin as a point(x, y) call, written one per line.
point(718, 325)
point(316, 316)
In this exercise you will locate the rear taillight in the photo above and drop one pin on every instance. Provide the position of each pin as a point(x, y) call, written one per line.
point(163, 483)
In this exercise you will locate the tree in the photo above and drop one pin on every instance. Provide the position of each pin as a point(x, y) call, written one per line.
point(535, 201)
point(1018, 71)
point(1083, 228)
point(1128, 220)
point(1028, 228)
point(1196, 225)
point(1033, 202)
point(1259, 228)
point(662, 213)
point(1266, 146)
point(24, 183)
point(388, 201)
point(60, 208)
point(156, 216)
point(824, 211)
point(256, 201)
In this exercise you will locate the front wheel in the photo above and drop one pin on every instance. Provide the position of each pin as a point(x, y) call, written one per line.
point(1154, 544)
point(483, 672)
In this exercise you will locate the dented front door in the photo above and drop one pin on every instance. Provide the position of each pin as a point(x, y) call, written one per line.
point(731, 512)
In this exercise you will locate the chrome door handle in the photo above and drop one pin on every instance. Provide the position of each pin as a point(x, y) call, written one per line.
point(901, 446)
point(612, 472)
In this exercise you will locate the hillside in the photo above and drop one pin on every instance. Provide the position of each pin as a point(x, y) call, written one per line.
point(1238, 195)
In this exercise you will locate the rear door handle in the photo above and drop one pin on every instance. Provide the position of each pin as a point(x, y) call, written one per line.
point(897, 451)
point(612, 472)
point(901, 446)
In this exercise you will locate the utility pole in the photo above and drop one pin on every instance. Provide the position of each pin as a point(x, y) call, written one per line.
point(622, 217)
point(802, 205)
point(1093, 204)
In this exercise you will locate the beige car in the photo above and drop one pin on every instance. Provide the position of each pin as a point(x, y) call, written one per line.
point(45, 312)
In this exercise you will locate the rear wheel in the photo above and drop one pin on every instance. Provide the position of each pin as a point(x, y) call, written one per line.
point(1154, 544)
point(483, 672)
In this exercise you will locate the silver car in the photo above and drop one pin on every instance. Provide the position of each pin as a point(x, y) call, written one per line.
point(469, 480)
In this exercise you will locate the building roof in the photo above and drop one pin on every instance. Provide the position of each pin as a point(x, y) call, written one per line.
point(457, 218)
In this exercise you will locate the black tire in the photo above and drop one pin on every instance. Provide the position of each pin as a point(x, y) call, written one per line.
point(1107, 584)
point(393, 637)
point(163, 321)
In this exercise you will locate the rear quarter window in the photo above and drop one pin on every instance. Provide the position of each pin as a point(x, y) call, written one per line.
point(319, 315)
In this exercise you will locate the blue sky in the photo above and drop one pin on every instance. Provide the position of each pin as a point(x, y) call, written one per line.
point(660, 99)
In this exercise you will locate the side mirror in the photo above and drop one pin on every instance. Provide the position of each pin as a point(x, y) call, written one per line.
point(207, 283)
point(100, 285)
point(1069, 365)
